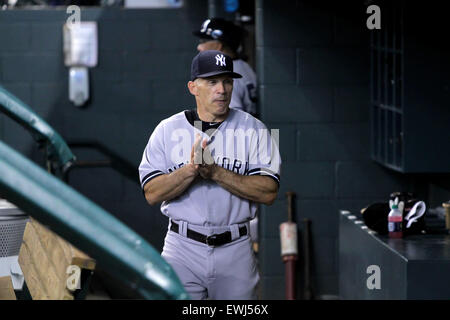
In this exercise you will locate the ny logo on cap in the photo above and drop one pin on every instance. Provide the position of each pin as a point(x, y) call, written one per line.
point(220, 58)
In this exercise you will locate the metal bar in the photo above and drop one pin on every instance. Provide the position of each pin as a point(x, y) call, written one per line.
point(20, 112)
point(379, 96)
point(402, 82)
point(385, 102)
point(91, 164)
point(118, 163)
point(85, 165)
point(394, 86)
point(372, 95)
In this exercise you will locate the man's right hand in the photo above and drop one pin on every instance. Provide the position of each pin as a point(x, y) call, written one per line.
point(171, 185)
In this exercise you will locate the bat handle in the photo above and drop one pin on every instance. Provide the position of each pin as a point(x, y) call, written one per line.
point(290, 196)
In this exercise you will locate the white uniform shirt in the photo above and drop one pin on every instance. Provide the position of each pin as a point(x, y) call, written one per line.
point(241, 143)
point(244, 89)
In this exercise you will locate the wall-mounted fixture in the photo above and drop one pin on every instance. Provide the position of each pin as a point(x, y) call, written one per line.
point(80, 53)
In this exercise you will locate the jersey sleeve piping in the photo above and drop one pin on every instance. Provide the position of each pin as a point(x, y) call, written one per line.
point(265, 172)
point(150, 176)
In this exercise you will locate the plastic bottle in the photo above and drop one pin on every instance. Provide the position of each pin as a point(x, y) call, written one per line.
point(395, 221)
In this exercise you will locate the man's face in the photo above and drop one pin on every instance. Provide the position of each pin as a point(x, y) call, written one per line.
point(205, 44)
point(213, 94)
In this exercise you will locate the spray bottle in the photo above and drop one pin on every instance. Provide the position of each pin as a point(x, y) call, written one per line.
point(395, 219)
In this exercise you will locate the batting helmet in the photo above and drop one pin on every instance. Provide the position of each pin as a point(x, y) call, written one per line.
point(221, 30)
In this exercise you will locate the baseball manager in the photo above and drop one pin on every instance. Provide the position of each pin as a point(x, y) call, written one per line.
point(209, 167)
point(225, 36)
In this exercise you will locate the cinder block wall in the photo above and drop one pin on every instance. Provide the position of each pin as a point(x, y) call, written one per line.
point(144, 65)
point(313, 67)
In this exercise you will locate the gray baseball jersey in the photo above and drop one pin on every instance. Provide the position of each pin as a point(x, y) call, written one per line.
point(241, 144)
point(244, 89)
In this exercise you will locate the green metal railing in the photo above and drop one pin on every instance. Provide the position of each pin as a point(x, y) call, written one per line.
point(121, 252)
point(118, 249)
point(59, 155)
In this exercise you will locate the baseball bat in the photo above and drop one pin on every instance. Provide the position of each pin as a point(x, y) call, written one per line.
point(308, 292)
point(289, 249)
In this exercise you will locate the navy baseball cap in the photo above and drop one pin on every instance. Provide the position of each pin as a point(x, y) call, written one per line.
point(210, 63)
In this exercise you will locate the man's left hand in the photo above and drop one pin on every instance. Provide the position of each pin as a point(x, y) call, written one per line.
point(208, 167)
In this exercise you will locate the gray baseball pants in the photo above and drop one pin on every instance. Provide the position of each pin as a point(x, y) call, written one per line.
point(227, 272)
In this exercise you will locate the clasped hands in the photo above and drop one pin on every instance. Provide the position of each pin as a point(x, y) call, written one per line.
point(202, 159)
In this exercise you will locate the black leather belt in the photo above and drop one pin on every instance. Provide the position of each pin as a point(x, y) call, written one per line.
point(212, 240)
